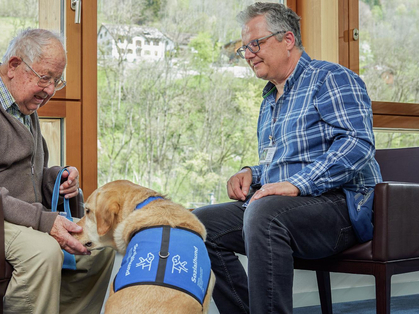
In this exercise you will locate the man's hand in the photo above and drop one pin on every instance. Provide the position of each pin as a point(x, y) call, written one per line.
point(280, 188)
point(239, 184)
point(61, 232)
point(70, 187)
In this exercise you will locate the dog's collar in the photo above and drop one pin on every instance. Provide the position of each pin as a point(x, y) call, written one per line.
point(147, 201)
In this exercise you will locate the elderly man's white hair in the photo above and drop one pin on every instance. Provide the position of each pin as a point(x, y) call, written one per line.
point(30, 44)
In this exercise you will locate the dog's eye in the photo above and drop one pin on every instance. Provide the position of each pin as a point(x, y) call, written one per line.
point(87, 211)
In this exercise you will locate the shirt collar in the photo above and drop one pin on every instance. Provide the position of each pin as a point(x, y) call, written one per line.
point(6, 99)
point(9, 105)
point(302, 64)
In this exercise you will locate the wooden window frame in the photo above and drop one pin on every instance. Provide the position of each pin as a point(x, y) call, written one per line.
point(77, 102)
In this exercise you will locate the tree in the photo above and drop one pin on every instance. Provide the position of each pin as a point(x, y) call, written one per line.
point(14, 16)
point(389, 62)
point(180, 135)
point(184, 125)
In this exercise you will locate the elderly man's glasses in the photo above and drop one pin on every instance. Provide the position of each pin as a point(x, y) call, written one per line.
point(254, 46)
point(45, 80)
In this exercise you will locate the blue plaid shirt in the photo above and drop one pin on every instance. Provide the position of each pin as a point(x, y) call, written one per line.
point(321, 128)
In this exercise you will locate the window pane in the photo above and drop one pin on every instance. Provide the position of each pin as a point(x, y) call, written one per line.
point(179, 114)
point(52, 130)
point(388, 58)
point(18, 15)
point(48, 14)
point(14, 16)
point(385, 138)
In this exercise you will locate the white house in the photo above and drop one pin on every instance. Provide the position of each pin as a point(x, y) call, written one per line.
point(132, 43)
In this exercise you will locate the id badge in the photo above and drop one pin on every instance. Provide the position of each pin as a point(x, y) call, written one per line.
point(267, 156)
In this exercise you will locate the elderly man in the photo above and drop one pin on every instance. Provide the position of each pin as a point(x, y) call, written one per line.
point(30, 75)
point(315, 144)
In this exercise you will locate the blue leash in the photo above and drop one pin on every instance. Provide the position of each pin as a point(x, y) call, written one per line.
point(69, 259)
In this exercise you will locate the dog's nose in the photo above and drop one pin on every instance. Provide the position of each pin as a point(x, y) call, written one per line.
point(88, 244)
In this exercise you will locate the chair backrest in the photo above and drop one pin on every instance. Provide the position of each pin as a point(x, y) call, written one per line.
point(76, 205)
point(399, 164)
point(5, 268)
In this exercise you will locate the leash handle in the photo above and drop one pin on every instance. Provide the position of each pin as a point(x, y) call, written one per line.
point(69, 261)
point(56, 195)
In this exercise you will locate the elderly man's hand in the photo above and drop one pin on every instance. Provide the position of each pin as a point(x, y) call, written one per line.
point(70, 187)
point(61, 232)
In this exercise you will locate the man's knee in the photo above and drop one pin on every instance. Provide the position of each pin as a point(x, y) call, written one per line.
point(49, 254)
point(206, 217)
point(216, 218)
point(257, 213)
point(203, 213)
point(32, 248)
point(262, 215)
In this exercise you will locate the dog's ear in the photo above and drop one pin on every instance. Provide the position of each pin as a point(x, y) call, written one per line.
point(105, 218)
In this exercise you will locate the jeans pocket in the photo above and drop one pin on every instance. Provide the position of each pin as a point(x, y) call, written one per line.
point(345, 240)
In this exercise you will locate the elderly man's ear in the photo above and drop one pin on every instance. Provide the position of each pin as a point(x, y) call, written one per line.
point(13, 64)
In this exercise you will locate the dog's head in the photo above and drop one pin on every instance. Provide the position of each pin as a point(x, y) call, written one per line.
point(105, 208)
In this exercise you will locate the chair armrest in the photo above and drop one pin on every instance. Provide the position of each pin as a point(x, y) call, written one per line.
point(77, 205)
point(396, 221)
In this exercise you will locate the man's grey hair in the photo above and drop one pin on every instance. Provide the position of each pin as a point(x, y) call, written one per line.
point(30, 44)
point(278, 18)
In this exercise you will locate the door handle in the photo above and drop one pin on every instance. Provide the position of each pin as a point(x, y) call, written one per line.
point(355, 33)
point(76, 6)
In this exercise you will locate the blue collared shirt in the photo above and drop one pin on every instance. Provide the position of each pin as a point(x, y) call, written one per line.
point(321, 129)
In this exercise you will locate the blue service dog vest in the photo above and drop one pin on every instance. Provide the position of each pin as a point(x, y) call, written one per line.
point(165, 256)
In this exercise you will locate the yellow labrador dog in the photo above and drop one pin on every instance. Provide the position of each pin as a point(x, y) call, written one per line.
point(165, 268)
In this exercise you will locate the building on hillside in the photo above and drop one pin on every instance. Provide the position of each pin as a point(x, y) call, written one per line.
point(181, 40)
point(132, 43)
point(230, 50)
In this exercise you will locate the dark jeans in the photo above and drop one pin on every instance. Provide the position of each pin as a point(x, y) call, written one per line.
point(270, 232)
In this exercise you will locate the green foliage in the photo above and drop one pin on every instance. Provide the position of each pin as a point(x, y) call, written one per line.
point(185, 125)
point(388, 59)
point(377, 12)
point(154, 7)
point(205, 51)
point(183, 136)
point(389, 139)
point(9, 27)
point(372, 3)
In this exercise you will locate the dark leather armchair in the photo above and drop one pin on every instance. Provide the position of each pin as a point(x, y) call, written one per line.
point(395, 246)
point(77, 210)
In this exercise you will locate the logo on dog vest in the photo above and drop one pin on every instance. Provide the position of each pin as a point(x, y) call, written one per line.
point(171, 257)
point(146, 262)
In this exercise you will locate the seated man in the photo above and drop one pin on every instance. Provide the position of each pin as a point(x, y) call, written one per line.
point(315, 141)
point(30, 75)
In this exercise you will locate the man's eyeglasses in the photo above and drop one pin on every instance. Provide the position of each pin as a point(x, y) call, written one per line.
point(45, 80)
point(254, 46)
